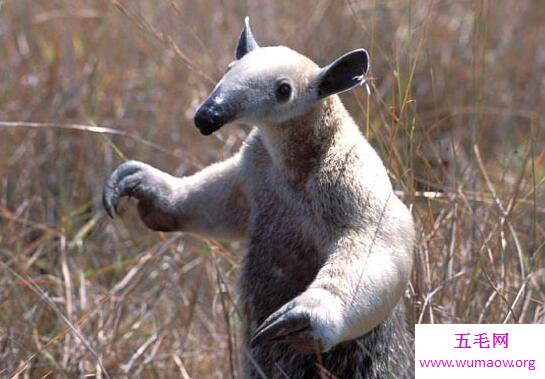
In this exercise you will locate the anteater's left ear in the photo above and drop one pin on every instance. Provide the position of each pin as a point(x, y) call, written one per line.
point(343, 74)
point(246, 42)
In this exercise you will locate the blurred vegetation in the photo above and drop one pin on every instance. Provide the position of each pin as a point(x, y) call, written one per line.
point(457, 90)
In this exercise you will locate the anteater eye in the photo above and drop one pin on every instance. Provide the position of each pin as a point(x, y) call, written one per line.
point(283, 91)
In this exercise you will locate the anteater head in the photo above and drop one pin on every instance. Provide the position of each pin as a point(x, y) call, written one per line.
point(270, 85)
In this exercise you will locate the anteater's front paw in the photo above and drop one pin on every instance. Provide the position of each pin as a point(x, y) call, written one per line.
point(310, 323)
point(139, 180)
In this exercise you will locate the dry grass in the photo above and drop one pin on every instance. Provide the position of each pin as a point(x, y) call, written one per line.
point(455, 112)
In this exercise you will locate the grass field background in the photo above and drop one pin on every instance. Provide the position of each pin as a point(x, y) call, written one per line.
point(457, 94)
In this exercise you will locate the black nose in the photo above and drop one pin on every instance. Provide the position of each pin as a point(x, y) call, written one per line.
point(216, 111)
point(208, 120)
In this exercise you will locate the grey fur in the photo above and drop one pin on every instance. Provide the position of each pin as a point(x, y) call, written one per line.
point(329, 243)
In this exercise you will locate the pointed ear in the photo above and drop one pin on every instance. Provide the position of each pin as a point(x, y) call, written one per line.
point(343, 74)
point(246, 42)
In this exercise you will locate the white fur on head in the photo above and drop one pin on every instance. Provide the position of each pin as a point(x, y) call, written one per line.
point(269, 85)
point(251, 84)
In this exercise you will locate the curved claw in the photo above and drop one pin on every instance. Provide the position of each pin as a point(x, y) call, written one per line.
point(110, 197)
point(111, 192)
point(281, 324)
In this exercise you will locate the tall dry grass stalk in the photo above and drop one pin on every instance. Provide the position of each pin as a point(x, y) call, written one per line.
point(457, 94)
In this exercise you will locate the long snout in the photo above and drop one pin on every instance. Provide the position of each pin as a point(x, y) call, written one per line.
point(214, 113)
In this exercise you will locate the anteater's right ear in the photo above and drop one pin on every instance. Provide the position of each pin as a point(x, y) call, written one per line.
point(246, 42)
point(343, 74)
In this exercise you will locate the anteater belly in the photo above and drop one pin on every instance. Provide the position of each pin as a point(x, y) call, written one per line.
point(280, 264)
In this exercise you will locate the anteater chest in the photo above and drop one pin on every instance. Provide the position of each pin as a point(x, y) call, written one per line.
point(283, 256)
